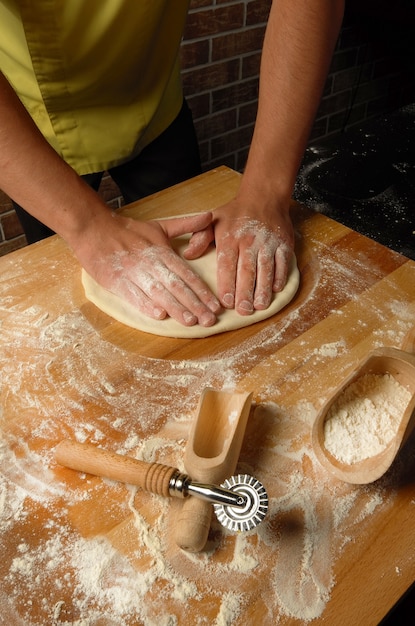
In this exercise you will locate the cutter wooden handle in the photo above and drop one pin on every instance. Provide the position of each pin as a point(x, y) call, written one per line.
point(83, 457)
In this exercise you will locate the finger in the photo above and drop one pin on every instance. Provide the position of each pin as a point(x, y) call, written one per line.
point(245, 281)
point(191, 291)
point(199, 243)
point(181, 303)
point(264, 280)
point(172, 285)
point(129, 291)
point(155, 301)
point(282, 261)
point(227, 261)
point(177, 226)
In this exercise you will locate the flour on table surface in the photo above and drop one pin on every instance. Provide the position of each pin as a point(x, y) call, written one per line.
point(88, 578)
point(64, 572)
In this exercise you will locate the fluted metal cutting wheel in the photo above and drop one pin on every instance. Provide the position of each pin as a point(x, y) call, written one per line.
point(247, 517)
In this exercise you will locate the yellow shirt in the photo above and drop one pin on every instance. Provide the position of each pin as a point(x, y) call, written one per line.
point(100, 78)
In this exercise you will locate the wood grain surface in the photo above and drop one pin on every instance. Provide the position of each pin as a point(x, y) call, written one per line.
point(81, 550)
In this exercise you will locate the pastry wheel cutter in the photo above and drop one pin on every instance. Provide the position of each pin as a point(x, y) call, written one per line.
point(240, 503)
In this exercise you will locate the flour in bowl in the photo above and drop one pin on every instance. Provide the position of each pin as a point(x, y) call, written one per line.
point(364, 418)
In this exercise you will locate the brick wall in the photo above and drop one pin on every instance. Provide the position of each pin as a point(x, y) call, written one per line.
point(220, 59)
point(11, 234)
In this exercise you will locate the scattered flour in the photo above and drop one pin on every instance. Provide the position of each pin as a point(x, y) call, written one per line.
point(78, 552)
point(364, 418)
point(229, 610)
point(75, 580)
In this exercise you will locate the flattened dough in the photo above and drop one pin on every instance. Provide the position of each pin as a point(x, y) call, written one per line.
point(124, 312)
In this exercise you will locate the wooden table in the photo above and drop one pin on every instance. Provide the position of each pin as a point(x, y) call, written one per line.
point(81, 550)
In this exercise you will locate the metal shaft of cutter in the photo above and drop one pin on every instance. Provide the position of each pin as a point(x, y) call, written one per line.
point(182, 486)
point(218, 495)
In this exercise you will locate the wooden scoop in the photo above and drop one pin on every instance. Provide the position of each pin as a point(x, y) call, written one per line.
point(211, 456)
point(399, 364)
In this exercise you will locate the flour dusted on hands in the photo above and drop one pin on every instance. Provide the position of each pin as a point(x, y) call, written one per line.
point(364, 418)
point(206, 268)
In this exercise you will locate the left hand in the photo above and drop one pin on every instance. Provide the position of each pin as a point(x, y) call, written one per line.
point(253, 255)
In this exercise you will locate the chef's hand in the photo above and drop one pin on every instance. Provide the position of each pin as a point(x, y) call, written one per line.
point(253, 254)
point(135, 261)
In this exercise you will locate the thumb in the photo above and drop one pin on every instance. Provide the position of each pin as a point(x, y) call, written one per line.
point(176, 226)
point(199, 243)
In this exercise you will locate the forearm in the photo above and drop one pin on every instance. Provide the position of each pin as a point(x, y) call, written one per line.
point(298, 47)
point(132, 259)
point(35, 176)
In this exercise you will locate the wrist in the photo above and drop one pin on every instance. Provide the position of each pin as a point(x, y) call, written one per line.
point(79, 214)
point(89, 230)
point(264, 194)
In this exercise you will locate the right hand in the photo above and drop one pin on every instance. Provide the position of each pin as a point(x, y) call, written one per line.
point(135, 261)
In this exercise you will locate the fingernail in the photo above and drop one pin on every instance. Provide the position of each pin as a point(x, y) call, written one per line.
point(246, 306)
point(229, 300)
point(261, 302)
point(214, 306)
point(159, 314)
point(189, 318)
point(207, 319)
